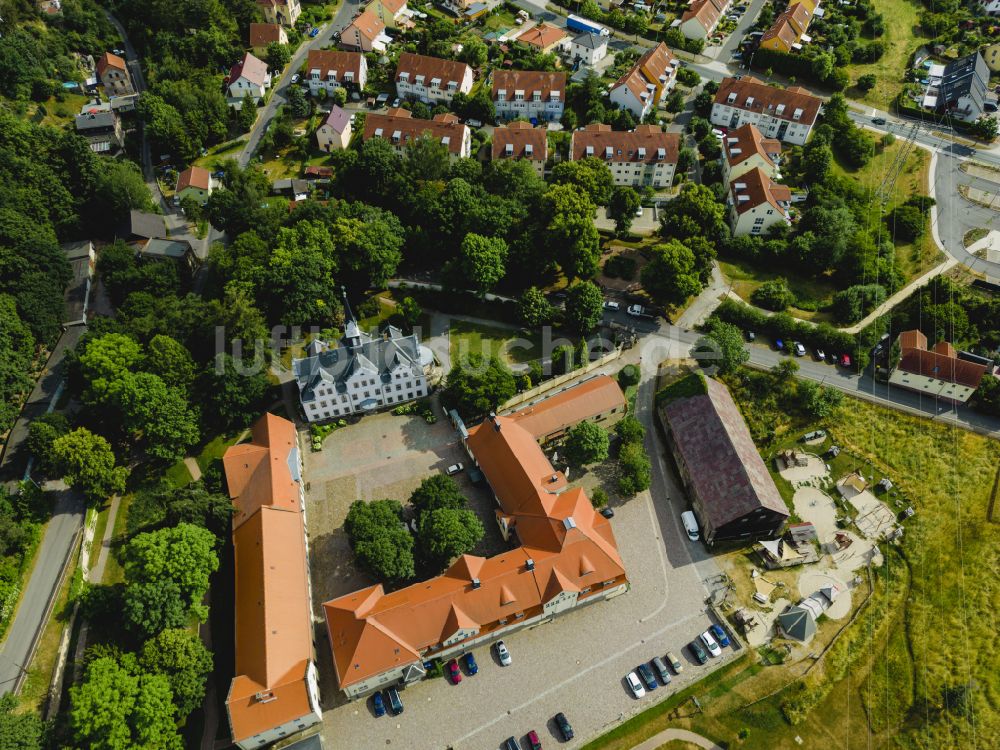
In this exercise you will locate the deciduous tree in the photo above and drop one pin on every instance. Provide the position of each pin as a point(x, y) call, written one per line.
point(446, 533)
point(380, 541)
point(586, 443)
point(181, 657)
point(87, 463)
point(584, 306)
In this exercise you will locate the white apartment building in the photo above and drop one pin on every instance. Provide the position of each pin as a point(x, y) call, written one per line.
point(430, 79)
point(643, 157)
point(399, 127)
point(530, 94)
point(329, 69)
point(784, 114)
point(756, 203)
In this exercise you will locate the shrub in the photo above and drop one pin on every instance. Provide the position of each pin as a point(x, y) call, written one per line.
point(629, 375)
point(773, 295)
point(598, 498)
point(620, 267)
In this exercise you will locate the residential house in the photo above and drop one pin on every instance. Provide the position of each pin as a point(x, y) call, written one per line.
point(195, 182)
point(701, 17)
point(544, 38)
point(566, 557)
point(364, 373)
point(731, 490)
point(642, 157)
point(597, 399)
point(788, 32)
point(284, 12)
point(141, 226)
point(649, 81)
point(101, 126)
point(991, 53)
point(520, 140)
point(588, 49)
point(248, 76)
point(939, 372)
point(392, 13)
point(756, 202)
point(334, 133)
point(784, 114)
point(430, 79)
point(744, 149)
point(275, 692)
point(114, 75)
point(529, 94)
point(366, 33)
point(329, 69)
point(399, 127)
point(958, 88)
point(169, 249)
point(262, 34)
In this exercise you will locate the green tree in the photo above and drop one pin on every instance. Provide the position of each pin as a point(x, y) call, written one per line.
point(625, 201)
point(534, 309)
point(87, 463)
point(817, 161)
point(822, 66)
point(907, 223)
point(410, 311)
point(42, 435)
point(234, 390)
point(671, 275)
point(183, 556)
point(586, 443)
point(567, 215)
point(477, 385)
point(379, 539)
point(171, 360)
point(370, 245)
point(474, 52)
point(630, 430)
point(103, 363)
point(482, 261)
point(773, 295)
point(852, 304)
point(816, 400)
point(633, 469)
point(157, 413)
point(181, 657)
point(584, 306)
point(694, 212)
point(299, 279)
point(426, 159)
point(446, 533)
point(867, 82)
point(246, 115)
point(118, 707)
point(985, 128)
point(591, 175)
point(277, 56)
point(688, 77)
point(23, 730)
point(437, 491)
point(298, 105)
point(721, 347)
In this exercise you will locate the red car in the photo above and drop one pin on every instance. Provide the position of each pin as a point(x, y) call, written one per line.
point(454, 672)
point(845, 360)
point(533, 740)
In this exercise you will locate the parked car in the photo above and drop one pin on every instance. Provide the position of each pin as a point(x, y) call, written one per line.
point(845, 360)
point(697, 652)
point(511, 744)
point(295, 78)
point(718, 133)
point(638, 311)
point(800, 350)
point(392, 698)
point(660, 667)
point(820, 355)
point(720, 635)
point(502, 653)
point(378, 705)
point(612, 305)
point(470, 664)
point(564, 726)
point(533, 742)
point(454, 673)
point(454, 469)
point(634, 685)
point(878, 121)
point(710, 644)
point(674, 662)
point(608, 512)
point(690, 524)
point(314, 32)
point(751, 336)
point(474, 123)
point(639, 211)
point(396, 102)
point(647, 676)
point(779, 345)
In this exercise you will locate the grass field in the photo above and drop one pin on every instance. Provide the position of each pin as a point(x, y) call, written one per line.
point(902, 37)
point(745, 279)
point(912, 259)
point(469, 338)
point(928, 629)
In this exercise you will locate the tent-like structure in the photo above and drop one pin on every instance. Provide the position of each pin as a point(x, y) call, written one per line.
point(797, 622)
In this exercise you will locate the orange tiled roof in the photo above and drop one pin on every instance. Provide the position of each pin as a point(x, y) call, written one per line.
point(109, 60)
point(368, 24)
point(327, 61)
point(196, 177)
point(753, 95)
point(586, 400)
point(520, 135)
point(410, 128)
point(747, 140)
point(625, 146)
point(262, 34)
point(529, 81)
point(430, 68)
point(707, 12)
point(259, 473)
point(941, 362)
point(757, 188)
point(542, 36)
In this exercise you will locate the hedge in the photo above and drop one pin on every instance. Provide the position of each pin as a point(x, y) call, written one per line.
point(784, 326)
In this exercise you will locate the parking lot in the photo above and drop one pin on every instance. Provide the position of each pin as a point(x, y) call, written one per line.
point(576, 664)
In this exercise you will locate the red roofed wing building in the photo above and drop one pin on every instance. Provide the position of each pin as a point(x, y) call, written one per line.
point(567, 557)
point(788, 32)
point(431, 79)
point(644, 156)
point(784, 114)
point(544, 37)
point(399, 127)
point(756, 202)
point(522, 141)
point(529, 94)
point(329, 69)
point(114, 75)
point(744, 149)
point(366, 33)
point(276, 689)
point(939, 371)
point(643, 87)
point(702, 16)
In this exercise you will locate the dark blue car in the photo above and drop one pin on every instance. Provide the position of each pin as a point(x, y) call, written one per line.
point(378, 704)
point(470, 664)
point(720, 635)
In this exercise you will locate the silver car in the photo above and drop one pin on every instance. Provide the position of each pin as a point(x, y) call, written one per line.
point(502, 653)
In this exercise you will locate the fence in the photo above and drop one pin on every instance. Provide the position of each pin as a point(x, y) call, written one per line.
point(548, 385)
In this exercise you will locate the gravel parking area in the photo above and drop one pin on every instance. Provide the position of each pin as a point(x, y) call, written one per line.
point(575, 664)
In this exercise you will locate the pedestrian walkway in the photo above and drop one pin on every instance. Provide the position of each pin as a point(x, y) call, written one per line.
point(661, 739)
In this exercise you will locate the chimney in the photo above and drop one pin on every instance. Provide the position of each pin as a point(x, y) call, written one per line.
point(529, 564)
point(493, 419)
point(475, 583)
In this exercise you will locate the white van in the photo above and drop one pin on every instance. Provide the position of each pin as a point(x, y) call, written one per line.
point(690, 525)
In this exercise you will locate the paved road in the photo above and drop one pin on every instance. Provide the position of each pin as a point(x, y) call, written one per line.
point(67, 519)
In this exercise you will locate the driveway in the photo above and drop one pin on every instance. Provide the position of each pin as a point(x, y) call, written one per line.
point(575, 664)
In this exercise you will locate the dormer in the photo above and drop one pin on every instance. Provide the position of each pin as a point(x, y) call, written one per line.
point(749, 101)
point(536, 96)
point(501, 95)
point(435, 83)
point(590, 150)
point(642, 153)
point(780, 109)
point(731, 98)
point(509, 149)
point(419, 80)
point(404, 77)
point(797, 114)
point(397, 136)
point(445, 140)
point(608, 152)
point(661, 154)
point(529, 149)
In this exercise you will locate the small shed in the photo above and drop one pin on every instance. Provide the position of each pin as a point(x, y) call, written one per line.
point(797, 623)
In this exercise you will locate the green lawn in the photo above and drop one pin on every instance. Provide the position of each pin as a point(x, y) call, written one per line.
point(178, 475)
point(511, 346)
point(912, 258)
point(902, 37)
point(745, 279)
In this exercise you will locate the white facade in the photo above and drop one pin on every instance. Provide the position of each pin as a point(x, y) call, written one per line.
point(931, 386)
point(366, 386)
point(511, 105)
point(794, 130)
point(330, 80)
point(434, 90)
point(243, 86)
point(330, 140)
point(315, 716)
point(756, 220)
point(590, 49)
point(640, 106)
point(990, 7)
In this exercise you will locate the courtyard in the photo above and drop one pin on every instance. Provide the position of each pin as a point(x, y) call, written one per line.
point(575, 664)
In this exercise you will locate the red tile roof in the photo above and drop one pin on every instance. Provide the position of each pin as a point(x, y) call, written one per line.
point(262, 34)
point(109, 60)
point(656, 146)
point(542, 36)
point(431, 68)
point(328, 61)
point(707, 12)
point(755, 96)
point(368, 24)
point(745, 141)
point(519, 135)
point(755, 188)
point(409, 128)
point(251, 68)
point(196, 177)
point(260, 472)
point(529, 81)
point(591, 398)
point(939, 363)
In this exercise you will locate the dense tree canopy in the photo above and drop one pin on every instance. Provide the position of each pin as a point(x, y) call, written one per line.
point(181, 657)
point(380, 540)
point(477, 385)
point(87, 463)
point(586, 443)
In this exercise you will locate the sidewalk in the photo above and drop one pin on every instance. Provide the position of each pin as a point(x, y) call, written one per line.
point(661, 739)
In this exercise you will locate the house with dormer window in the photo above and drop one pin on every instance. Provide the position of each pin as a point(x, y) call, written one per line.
point(431, 80)
point(528, 94)
point(329, 69)
point(783, 114)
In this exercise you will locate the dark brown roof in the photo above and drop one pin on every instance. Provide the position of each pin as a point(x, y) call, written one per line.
point(940, 363)
point(528, 81)
point(659, 147)
point(330, 60)
point(431, 68)
point(410, 128)
point(727, 473)
point(519, 135)
point(754, 96)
